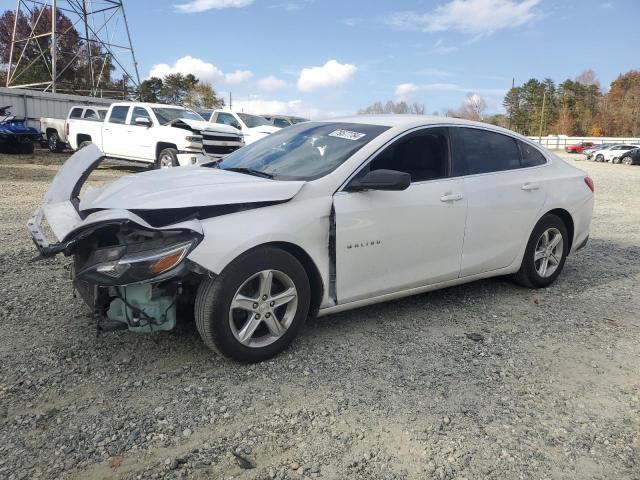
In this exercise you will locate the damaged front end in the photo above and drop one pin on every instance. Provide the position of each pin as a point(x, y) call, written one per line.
point(135, 277)
point(131, 274)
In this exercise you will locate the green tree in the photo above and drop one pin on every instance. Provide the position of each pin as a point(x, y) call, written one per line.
point(150, 90)
point(202, 95)
point(175, 87)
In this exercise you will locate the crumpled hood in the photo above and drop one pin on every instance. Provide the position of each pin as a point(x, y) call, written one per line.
point(210, 127)
point(187, 187)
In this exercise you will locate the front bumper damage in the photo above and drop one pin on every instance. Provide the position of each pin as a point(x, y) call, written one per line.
point(124, 298)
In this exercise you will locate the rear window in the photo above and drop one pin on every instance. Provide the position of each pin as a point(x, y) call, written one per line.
point(119, 114)
point(76, 113)
point(531, 157)
point(486, 151)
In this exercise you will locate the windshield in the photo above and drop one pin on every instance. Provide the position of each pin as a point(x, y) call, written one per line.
point(253, 120)
point(302, 152)
point(166, 115)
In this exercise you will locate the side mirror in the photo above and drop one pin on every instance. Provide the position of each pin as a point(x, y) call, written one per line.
point(390, 180)
point(236, 125)
point(142, 121)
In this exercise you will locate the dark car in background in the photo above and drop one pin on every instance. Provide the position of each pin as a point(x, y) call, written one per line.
point(632, 157)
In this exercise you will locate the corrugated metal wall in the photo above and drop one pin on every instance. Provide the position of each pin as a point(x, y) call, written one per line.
point(33, 105)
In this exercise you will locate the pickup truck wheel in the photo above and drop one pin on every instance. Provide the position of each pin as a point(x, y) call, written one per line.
point(168, 158)
point(254, 309)
point(54, 143)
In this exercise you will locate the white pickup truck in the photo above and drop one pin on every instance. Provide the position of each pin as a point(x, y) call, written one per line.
point(55, 130)
point(163, 135)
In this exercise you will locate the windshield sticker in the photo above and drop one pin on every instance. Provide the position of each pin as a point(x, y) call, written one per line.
point(347, 134)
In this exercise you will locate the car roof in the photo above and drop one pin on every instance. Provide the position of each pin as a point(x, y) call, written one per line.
point(411, 121)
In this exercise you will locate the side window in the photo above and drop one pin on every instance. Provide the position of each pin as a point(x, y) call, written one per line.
point(226, 119)
point(90, 114)
point(423, 154)
point(137, 113)
point(76, 113)
point(119, 114)
point(531, 157)
point(281, 122)
point(484, 151)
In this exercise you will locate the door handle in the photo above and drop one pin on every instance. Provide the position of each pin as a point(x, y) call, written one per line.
point(451, 197)
point(530, 187)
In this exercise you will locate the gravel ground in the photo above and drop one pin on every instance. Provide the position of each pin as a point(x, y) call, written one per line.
point(482, 381)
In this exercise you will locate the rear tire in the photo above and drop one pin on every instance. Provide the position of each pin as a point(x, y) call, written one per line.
point(54, 143)
point(168, 158)
point(238, 313)
point(615, 160)
point(627, 161)
point(543, 261)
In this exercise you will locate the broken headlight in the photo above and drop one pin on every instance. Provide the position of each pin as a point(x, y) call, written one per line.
point(128, 264)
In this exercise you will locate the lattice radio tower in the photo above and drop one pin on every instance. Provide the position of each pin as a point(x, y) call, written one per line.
point(99, 28)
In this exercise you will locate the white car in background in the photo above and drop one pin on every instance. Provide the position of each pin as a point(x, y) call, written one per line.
point(253, 127)
point(613, 153)
point(318, 218)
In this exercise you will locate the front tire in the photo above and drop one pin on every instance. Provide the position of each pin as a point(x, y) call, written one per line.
point(627, 161)
point(615, 160)
point(545, 254)
point(599, 158)
point(168, 158)
point(254, 309)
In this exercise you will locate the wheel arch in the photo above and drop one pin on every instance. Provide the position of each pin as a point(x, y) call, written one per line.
point(567, 219)
point(162, 145)
point(313, 273)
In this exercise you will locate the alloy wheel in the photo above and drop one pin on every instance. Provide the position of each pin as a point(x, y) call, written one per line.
point(166, 161)
point(263, 308)
point(548, 252)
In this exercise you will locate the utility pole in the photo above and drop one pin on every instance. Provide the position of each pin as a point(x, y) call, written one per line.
point(230, 102)
point(54, 44)
point(544, 98)
point(102, 35)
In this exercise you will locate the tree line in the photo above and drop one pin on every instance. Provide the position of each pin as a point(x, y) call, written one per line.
point(576, 107)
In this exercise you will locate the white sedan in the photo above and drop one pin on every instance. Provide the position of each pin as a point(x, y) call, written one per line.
point(317, 218)
point(613, 153)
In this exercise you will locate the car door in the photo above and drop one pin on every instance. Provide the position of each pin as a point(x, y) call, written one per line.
point(504, 180)
point(388, 241)
point(115, 130)
point(139, 139)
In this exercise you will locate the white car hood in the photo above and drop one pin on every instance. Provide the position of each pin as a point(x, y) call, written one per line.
point(170, 189)
point(187, 187)
point(263, 129)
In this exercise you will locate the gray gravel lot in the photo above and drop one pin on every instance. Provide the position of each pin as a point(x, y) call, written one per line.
point(548, 388)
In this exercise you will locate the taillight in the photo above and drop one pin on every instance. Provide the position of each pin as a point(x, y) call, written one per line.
point(66, 128)
point(590, 184)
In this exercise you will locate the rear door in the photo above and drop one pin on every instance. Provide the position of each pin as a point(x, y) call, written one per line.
point(388, 241)
point(115, 132)
point(505, 188)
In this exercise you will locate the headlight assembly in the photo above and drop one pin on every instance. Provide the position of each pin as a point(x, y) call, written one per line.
point(128, 264)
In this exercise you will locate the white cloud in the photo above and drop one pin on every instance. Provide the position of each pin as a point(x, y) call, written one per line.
point(439, 48)
point(204, 71)
point(238, 76)
point(475, 17)
point(405, 90)
point(195, 6)
point(331, 74)
point(270, 84)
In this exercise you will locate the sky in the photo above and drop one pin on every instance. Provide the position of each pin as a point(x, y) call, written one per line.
point(322, 58)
